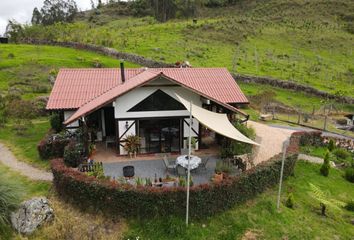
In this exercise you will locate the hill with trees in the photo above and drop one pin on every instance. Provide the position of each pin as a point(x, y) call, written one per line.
point(309, 42)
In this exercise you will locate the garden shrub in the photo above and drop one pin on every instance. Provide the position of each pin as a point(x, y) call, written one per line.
point(231, 148)
point(311, 138)
point(9, 200)
point(73, 154)
point(349, 174)
point(56, 123)
point(119, 199)
point(52, 146)
point(350, 206)
point(325, 166)
point(341, 153)
point(290, 201)
point(331, 145)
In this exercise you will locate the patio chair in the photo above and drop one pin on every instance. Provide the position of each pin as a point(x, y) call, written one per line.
point(204, 162)
point(181, 171)
point(169, 165)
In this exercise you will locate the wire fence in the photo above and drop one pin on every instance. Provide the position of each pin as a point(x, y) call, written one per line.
point(330, 118)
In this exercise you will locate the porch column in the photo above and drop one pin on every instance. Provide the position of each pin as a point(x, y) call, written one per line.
point(103, 123)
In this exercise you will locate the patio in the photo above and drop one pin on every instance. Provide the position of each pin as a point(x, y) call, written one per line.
point(150, 168)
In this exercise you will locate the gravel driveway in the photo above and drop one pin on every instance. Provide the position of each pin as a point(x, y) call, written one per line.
point(9, 160)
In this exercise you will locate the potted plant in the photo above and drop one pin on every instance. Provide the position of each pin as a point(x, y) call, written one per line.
point(92, 150)
point(132, 143)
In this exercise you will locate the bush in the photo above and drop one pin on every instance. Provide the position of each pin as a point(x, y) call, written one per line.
point(55, 122)
point(350, 206)
point(349, 174)
point(325, 166)
point(119, 199)
point(52, 146)
point(341, 153)
point(9, 200)
point(73, 154)
point(311, 139)
point(290, 201)
point(231, 148)
point(331, 145)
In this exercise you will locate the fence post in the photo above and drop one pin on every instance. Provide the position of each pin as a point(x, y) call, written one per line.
point(325, 123)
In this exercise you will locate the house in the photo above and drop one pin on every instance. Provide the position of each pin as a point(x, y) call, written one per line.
point(152, 103)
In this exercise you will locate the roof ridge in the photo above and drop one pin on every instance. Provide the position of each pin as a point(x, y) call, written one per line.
point(115, 86)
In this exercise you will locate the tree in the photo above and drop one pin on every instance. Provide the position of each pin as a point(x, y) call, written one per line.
point(325, 166)
point(14, 31)
point(58, 11)
point(36, 16)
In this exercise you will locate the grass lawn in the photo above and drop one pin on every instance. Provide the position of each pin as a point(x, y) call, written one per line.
point(302, 45)
point(26, 187)
point(27, 67)
point(260, 218)
point(25, 147)
point(314, 151)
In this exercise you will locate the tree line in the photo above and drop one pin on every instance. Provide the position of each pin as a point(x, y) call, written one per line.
point(162, 10)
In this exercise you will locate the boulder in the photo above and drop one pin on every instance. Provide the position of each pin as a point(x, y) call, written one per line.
point(31, 215)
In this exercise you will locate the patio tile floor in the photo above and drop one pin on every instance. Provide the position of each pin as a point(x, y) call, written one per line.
point(148, 169)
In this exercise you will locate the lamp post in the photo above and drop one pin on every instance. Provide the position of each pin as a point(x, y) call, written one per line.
point(285, 145)
point(189, 157)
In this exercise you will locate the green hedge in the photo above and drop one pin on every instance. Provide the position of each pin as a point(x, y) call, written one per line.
point(205, 200)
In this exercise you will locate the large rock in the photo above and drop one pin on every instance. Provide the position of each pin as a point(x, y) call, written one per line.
point(31, 215)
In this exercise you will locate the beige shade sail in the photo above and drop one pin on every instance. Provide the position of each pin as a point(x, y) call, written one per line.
point(218, 122)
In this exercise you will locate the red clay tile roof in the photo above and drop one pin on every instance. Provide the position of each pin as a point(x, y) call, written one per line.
point(113, 93)
point(75, 87)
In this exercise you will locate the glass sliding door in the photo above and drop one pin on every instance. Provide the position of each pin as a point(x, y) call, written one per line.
point(159, 135)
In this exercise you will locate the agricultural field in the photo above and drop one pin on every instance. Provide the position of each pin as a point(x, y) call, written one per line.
point(307, 42)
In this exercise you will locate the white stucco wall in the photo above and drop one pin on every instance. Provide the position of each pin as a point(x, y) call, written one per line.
point(68, 114)
point(123, 133)
point(132, 98)
point(129, 100)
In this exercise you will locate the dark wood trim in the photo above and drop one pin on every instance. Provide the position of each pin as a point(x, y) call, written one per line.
point(147, 118)
point(192, 127)
point(72, 127)
point(181, 123)
point(200, 134)
point(117, 137)
point(131, 125)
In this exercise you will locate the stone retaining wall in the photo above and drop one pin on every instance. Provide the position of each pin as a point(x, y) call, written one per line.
point(292, 86)
point(105, 51)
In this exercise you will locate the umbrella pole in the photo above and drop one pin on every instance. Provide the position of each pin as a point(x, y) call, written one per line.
point(189, 157)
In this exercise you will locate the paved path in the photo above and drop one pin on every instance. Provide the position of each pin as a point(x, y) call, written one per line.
point(271, 140)
point(8, 159)
point(310, 158)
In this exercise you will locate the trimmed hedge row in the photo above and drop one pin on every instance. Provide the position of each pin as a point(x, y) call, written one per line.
point(117, 199)
point(50, 147)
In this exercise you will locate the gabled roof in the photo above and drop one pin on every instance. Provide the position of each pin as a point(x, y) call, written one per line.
point(74, 88)
point(113, 93)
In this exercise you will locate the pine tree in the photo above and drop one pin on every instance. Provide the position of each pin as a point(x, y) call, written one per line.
point(36, 16)
point(324, 170)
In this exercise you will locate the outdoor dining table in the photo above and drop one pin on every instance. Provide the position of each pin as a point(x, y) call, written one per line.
point(183, 161)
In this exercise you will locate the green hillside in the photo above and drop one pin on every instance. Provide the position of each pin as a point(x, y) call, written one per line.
point(310, 42)
point(24, 73)
point(25, 69)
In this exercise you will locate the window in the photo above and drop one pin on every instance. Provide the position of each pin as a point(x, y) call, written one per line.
point(158, 101)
